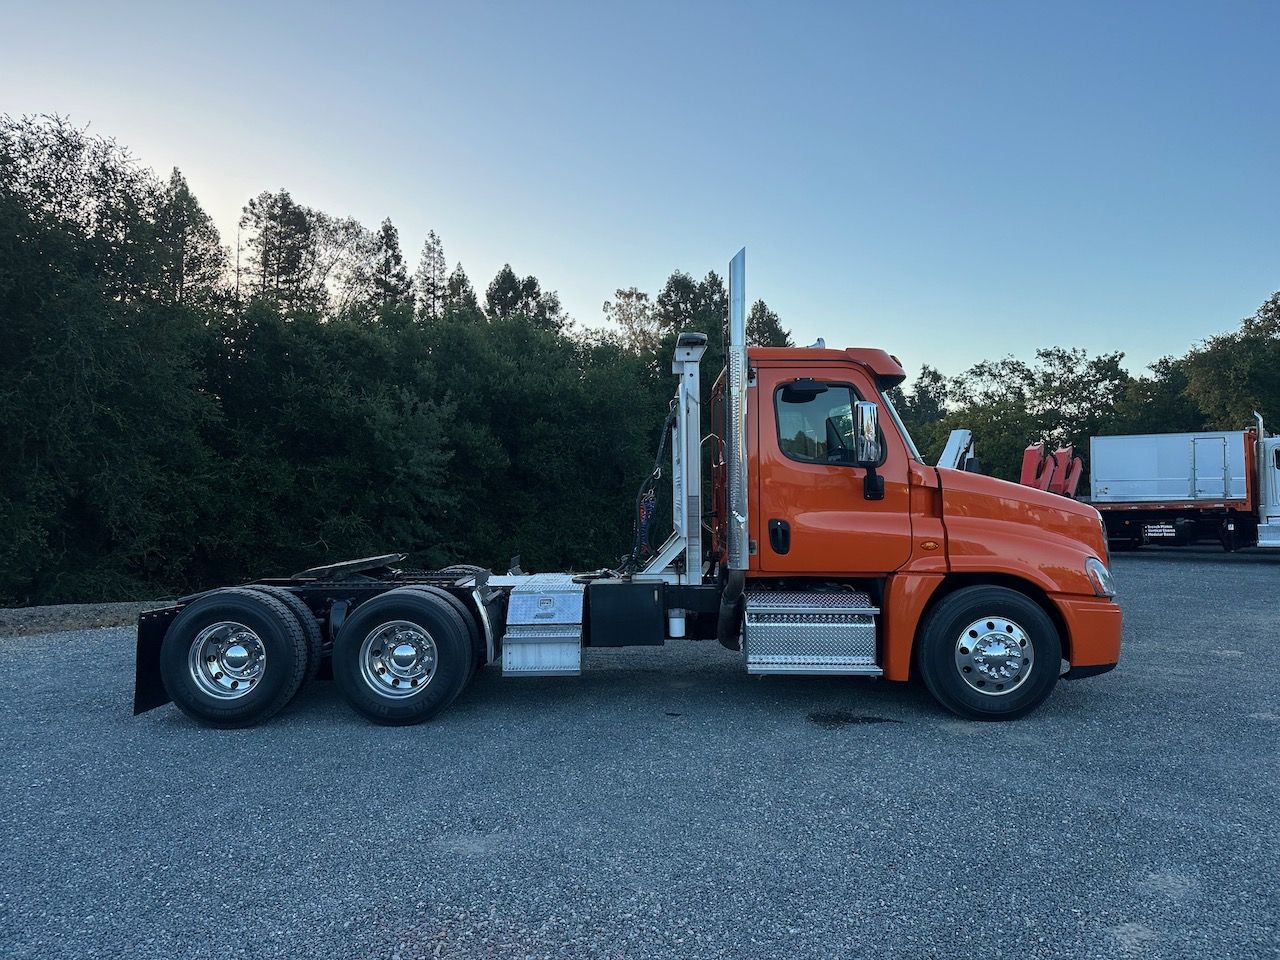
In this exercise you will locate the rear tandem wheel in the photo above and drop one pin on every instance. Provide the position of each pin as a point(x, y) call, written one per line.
point(403, 656)
point(233, 657)
point(307, 621)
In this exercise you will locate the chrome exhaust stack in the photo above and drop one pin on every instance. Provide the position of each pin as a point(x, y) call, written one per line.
point(729, 622)
point(735, 429)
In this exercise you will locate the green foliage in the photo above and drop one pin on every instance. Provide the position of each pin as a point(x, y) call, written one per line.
point(106, 472)
point(764, 328)
point(430, 283)
point(459, 296)
point(1231, 375)
point(388, 279)
point(1159, 403)
point(509, 297)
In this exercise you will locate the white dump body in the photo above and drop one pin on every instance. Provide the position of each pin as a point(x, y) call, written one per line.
point(1169, 467)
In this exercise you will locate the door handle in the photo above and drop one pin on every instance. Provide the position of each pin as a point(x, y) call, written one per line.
point(780, 536)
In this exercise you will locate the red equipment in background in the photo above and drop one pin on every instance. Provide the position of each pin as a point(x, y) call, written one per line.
point(1058, 472)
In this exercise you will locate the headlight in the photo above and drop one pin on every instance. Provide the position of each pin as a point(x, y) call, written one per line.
point(1100, 577)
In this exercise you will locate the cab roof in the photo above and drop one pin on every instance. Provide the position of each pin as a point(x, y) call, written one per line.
point(886, 369)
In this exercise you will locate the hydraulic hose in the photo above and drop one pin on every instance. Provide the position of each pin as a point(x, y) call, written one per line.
point(646, 501)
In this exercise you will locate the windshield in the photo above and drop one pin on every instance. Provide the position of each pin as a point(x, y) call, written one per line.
point(897, 420)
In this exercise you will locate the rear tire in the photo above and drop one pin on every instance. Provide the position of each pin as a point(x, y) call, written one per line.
point(989, 653)
point(307, 621)
point(402, 657)
point(233, 658)
point(469, 618)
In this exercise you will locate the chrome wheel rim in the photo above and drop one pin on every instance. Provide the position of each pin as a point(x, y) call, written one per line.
point(994, 656)
point(398, 659)
point(226, 660)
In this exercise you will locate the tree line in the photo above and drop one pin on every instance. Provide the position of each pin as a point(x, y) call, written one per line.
point(177, 414)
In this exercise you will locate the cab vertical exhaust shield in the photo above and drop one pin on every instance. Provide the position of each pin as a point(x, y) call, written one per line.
point(736, 414)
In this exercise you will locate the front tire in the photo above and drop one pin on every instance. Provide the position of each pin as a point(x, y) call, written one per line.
point(989, 653)
point(402, 657)
point(233, 658)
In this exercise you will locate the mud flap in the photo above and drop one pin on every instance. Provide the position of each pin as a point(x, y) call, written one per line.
point(148, 688)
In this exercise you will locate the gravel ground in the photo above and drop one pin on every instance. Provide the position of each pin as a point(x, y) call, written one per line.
point(21, 621)
point(666, 805)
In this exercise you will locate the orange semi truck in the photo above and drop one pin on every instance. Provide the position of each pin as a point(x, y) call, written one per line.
point(830, 547)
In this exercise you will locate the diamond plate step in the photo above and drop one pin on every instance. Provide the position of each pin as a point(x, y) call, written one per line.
point(792, 631)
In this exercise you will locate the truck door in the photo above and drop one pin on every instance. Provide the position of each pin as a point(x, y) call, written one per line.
point(814, 518)
point(1209, 463)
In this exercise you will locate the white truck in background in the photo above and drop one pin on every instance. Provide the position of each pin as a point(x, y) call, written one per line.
point(1180, 488)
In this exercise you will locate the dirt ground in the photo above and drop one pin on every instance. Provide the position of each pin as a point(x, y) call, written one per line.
point(21, 621)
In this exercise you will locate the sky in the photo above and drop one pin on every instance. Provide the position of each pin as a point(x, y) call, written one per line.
point(949, 181)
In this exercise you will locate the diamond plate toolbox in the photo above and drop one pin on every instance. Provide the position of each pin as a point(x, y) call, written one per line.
point(544, 627)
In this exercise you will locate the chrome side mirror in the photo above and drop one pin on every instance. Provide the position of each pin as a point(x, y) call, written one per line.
point(866, 433)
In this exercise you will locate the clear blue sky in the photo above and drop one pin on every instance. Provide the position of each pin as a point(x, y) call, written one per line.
point(951, 181)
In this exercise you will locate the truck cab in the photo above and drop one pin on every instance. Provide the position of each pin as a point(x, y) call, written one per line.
point(887, 566)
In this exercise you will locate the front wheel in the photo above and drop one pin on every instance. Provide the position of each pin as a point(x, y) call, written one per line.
point(989, 653)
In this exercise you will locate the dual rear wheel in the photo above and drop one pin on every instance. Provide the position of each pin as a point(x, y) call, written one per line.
point(234, 657)
point(405, 655)
point(237, 656)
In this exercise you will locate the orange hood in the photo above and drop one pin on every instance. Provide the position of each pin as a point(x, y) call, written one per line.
point(973, 497)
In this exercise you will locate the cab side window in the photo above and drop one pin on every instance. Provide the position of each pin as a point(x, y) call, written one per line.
point(816, 427)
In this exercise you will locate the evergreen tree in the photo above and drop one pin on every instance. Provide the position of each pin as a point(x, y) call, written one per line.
point(509, 297)
point(764, 329)
point(280, 242)
point(430, 283)
point(459, 297)
point(190, 250)
point(390, 279)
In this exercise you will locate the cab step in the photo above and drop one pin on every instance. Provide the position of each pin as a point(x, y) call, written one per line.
point(828, 632)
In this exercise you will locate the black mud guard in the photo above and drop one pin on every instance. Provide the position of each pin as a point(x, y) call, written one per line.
point(148, 688)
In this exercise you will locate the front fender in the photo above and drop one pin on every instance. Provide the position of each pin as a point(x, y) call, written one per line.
point(1052, 563)
point(994, 526)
